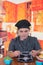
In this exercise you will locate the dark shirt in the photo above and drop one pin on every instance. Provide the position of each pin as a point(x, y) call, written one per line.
point(31, 43)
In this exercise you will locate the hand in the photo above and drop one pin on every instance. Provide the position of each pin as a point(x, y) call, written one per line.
point(17, 53)
point(34, 53)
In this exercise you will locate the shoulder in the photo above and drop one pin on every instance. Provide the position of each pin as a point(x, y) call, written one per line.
point(14, 39)
point(32, 38)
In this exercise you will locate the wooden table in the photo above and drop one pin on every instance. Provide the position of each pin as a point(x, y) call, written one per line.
point(15, 62)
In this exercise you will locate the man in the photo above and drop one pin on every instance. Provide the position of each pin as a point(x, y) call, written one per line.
point(23, 42)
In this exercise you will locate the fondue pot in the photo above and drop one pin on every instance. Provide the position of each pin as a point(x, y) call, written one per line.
point(25, 57)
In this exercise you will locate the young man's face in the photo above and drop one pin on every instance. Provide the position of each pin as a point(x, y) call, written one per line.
point(23, 33)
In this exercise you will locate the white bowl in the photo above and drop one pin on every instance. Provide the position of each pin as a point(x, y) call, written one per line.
point(1, 55)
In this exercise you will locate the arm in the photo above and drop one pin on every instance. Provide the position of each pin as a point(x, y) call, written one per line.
point(36, 44)
point(36, 49)
point(12, 52)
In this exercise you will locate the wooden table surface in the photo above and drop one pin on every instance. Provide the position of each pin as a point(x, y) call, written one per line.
point(15, 62)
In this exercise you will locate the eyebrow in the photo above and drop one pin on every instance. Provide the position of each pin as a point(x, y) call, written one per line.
point(23, 31)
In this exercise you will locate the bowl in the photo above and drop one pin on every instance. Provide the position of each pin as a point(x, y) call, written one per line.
point(7, 60)
point(38, 58)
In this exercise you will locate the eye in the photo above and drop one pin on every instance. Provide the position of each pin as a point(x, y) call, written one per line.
point(26, 30)
point(21, 31)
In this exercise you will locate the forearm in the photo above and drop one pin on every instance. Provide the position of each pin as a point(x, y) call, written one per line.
point(10, 53)
point(38, 51)
point(35, 52)
point(13, 54)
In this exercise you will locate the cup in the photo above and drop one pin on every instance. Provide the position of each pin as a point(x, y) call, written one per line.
point(38, 63)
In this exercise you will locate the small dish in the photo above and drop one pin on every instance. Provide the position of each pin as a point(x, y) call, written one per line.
point(7, 60)
point(38, 58)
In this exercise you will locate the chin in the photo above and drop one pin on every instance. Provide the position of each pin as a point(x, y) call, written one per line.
point(24, 38)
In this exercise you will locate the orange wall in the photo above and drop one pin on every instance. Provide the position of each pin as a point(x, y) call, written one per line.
point(11, 12)
point(14, 12)
point(21, 11)
point(41, 43)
